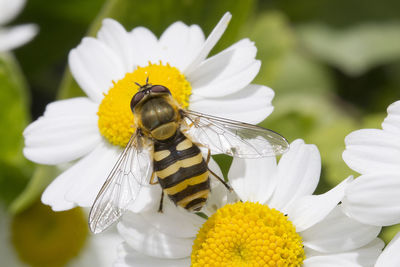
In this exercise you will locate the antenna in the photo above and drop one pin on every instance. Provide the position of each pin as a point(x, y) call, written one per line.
point(138, 84)
point(147, 80)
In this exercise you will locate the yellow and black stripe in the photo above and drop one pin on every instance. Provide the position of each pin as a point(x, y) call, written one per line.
point(182, 171)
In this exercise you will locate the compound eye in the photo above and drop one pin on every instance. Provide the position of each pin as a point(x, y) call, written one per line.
point(160, 89)
point(136, 99)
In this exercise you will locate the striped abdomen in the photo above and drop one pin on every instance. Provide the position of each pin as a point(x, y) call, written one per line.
point(182, 172)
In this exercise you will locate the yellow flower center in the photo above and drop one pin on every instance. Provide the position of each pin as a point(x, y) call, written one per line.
point(247, 234)
point(46, 238)
point(116, 121)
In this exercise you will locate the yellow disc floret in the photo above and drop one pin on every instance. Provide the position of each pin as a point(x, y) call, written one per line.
point(247, 234)
point(116, 121)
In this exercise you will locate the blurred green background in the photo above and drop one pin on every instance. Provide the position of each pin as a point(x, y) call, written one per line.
point(334, 66)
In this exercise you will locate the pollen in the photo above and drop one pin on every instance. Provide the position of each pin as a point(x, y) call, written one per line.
point(116, 121)
point(247, 234)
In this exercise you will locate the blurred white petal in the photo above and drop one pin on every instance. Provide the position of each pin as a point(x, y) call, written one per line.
point(9, 9)
point(15, 36)
point(392, 121)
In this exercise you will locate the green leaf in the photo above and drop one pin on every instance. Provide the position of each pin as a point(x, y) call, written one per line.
point(300, 74)
point(389, 232)
point(14, 109)
point(158, 15)
point(356, 49)
point(298, 115)
point(285, 67)
point(273, 38)
point(12, 182)
point(14, 168)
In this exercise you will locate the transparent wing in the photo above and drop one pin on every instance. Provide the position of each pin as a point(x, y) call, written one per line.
point(237, 139)
point(132, 170)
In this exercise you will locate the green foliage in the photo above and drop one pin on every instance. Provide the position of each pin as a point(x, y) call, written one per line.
point(354, 50)
point(274, 40)
point(14, 115)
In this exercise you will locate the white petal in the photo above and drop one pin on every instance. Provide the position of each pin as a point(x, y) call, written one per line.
point(227, 72)
point(212, 39)
point(180, 44)
point(392, 121)
point(131, 258)
point(146, 239)
point(298, 174)
point(253, 179)
point(16, 36)
point(145, 46)
point(99, 251)
point(10, 9)
point(372, 150)
point(92, 173)
point(252, 104)
point(81, 183)
point(54, 194)
point(338, 233)
point(67, 131)
point(148, 199)
point(309, 210)
point(115, 36)
point(165, 222)
point(218, 198)
point(390, 256)
point(363, 257)
point(95, 66)
point(374, 199)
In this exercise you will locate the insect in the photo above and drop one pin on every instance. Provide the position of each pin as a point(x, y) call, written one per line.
point(166, 145)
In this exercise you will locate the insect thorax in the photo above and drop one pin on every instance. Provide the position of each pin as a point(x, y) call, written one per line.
point(159, 117)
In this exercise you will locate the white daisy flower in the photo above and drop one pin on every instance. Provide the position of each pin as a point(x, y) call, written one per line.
point(390, 255)
point(374, 198)
point(40, 237)
point(14, 36)
point(279, 223)
point(95, 128)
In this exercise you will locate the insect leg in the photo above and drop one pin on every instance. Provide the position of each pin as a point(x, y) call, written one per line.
point(221, 180)
point(216, 176)
point(160, 208)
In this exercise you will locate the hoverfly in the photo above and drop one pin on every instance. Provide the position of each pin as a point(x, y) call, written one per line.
point(166, 145)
